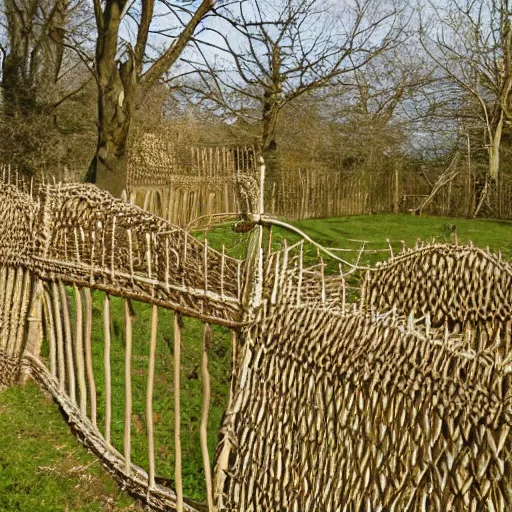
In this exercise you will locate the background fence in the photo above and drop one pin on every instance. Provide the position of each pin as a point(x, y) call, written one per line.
point(305, 194)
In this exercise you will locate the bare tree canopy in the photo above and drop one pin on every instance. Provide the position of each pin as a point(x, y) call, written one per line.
point(471, 41)
point(270, 53)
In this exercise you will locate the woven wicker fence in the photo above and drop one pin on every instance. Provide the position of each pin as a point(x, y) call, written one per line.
point(381, 388)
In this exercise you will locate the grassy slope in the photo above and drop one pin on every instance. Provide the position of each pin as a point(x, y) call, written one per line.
point(42, 467)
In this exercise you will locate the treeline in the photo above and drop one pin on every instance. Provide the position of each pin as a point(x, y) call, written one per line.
point(343, 87)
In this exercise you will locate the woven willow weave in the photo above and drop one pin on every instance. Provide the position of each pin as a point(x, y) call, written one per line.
point(465, 287)
point(336, 412)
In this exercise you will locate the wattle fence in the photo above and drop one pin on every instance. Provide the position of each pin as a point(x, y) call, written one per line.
point(352, 387)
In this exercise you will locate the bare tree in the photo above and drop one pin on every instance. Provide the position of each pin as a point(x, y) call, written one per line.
point(274, 52)
point(471, 41)
point(390, 99)
point(127, 69)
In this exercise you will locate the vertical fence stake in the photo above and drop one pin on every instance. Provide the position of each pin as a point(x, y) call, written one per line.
point(68, 342)
point(204, 415)
point(88, 353)
point(149, 397)
point(51, 331)
point(79, 350)
point(301, 263)
point(60, 342)
point(177, 418)
point(128, 387)
point(106, 364)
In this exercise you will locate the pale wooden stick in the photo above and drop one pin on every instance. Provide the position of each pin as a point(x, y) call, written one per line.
point(177, 417)
point(88, 353)
point(79, 352)
point(7, 313)
point(60, 337)
point(130, 250)
point(148, 254)
point(222, 264)
point(239, 278)
point(234, 355)
point(51, 331)
point(68, 341)
point(106, 364)
point(275, 287)
point(128, 387)
point(77, 245)
point(3, 288)
point(25, 302)
point(93, 248)
point(112, 249)
point(149, 397)
point(167, 263)
point(204, 415)
point(34, 328)
point(301, 263)
point(205, 263)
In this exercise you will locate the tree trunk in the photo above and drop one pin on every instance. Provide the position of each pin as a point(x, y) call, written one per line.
point(494, 149)
point(115, 103)
point(116, 94)
point(494, 165)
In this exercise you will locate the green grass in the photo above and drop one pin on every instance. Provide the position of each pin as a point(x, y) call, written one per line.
point(335, 232)
point(41, 465)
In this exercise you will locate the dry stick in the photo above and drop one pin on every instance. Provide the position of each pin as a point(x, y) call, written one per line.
point(60, 337)
point(130, 251)
point(51, 331)
point(273, 297)
point(7, 309)
point(148, 254)
point(204, 415)
point(3, 286)
point(222, 264)
point(88, 353)
point(68, 341)
point(34, 337)
point(128, 387)
point(177, 417)
point(149, 398)
point(93, 247)
point(343, 290)
point(106, 364)
point(322, 275)
point(77, 246)
point(112, 254)
point(234, 356)
point(25, 303)
point(239, 279)
point(167, 263)
point(299, 284)
point(79, 352)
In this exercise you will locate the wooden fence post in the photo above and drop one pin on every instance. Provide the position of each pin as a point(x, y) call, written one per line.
point(35, 326)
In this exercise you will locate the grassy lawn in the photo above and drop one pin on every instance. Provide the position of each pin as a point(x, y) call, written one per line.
point(42, 467)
